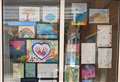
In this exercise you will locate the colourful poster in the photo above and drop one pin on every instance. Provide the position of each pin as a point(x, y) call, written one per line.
point(50, 14)
point(88, 71)
point(71, 73)
point(42, 51)
point(26, 31)
point(29, 13)
point(99, 16)
point(17, 50)
point(47, 70)
point(79, 11)
point(30, 70)
point(48, 31)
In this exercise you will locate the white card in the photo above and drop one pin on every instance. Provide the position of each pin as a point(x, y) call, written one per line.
point(47, 70)
point(104, 35)
point(88, 53)
point(105, 57)
point(29, 13)
point(50, 14)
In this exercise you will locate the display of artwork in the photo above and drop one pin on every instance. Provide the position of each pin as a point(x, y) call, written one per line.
point(47, 31)
point(88, 71)
point(50, 14)
point(71, 73)
point(17, 50)
point(29, 13)
point(47, 70)
point(42, 51)
point(104, 35)
point(98, 15)
point(30, 70)
point(26, 31)
point(88, 57)
point(18, 70)
point(104, 57)
point(79, 11)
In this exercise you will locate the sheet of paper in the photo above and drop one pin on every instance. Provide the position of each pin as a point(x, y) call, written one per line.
point(88, 53)
point(105, 57)
point(47, 70)
point(104, 35)
point(50, 14)
point(29, 13)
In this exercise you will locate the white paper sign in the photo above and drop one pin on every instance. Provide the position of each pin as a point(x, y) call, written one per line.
point(88, 53)
point(104, 35)
point(105, 57)
point(29, 13)
point(47, 70)
point(50, 14)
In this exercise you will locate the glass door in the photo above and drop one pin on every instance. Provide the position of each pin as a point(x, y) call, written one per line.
point(91, 41)
point(31, 40)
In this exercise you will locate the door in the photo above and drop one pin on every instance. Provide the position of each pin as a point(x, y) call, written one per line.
point(31, 40)
point(91, 41)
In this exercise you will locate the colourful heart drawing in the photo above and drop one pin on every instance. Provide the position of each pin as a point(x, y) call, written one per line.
point(41, 50)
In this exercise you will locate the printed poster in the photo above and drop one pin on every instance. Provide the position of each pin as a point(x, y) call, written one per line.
point(104, 35)
point(104, 57)
point(98, 15)
point(29, 14)
point(88, 53)
point(50, 14)
point(42, 51)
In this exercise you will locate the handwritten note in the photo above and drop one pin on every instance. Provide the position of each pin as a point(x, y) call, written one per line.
point(105, 57)
point(29, 13)
point(104, 35)
point(88, 52)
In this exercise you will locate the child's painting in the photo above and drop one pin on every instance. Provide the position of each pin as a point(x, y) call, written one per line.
point(47, 31)
point(88, 71)
point(26, 31)
point(29, 13)
point(71, 73)
point(50, 14)
point(12, 32)
point(17, 50)
point(99, 16)
point(79, 11)
point(42, 51)
point(18, 70)
point(30, 70)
